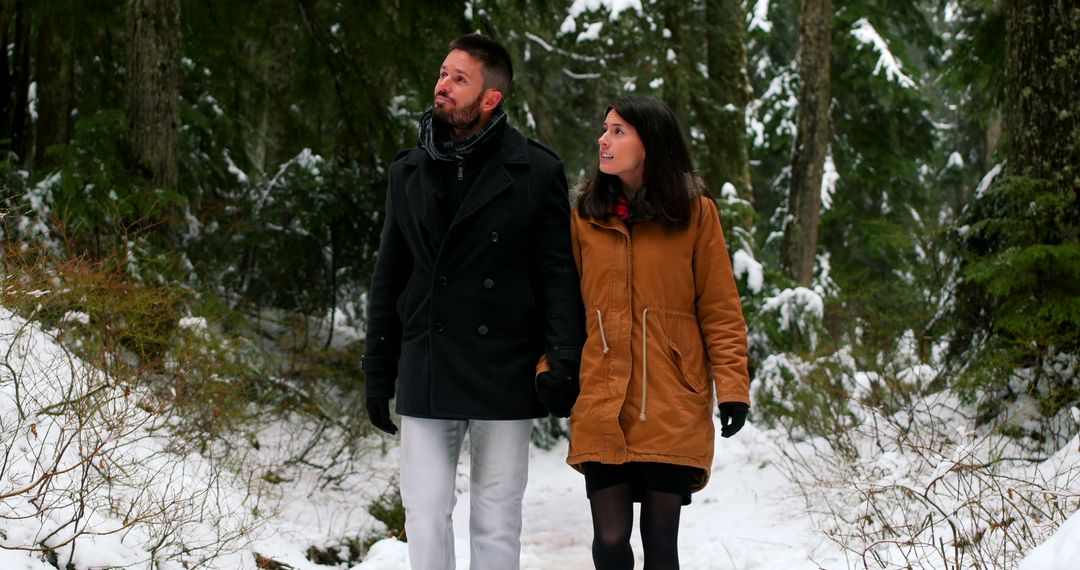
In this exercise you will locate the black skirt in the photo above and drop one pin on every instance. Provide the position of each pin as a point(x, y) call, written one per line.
point(642, 476)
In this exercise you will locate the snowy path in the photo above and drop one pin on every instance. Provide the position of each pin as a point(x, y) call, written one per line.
point(746, 519)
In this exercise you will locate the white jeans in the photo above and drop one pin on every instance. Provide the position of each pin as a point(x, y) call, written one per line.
point(499, 451)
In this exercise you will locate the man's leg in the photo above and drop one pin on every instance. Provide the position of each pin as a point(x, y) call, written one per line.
point(500, 469)
point(429, 457)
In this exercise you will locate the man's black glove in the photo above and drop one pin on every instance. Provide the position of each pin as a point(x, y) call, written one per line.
point(732, 417)
point(378, 411)
point(558, 391)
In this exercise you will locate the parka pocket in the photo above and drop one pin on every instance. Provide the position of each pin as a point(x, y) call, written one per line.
point(687, 349)
point(688, 376)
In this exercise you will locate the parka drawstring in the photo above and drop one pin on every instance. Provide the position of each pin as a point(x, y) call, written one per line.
point(603, 336)
point(644, 362)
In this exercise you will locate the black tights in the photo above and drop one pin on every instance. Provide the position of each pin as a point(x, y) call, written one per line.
point(613, 519)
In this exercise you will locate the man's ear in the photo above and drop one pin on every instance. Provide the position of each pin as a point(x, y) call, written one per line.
point(492, 98)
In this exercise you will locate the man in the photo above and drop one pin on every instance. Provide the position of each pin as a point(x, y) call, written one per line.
point(474, 283)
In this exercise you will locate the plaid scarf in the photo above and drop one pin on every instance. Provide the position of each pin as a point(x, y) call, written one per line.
point(630, 212)
point(435, 142)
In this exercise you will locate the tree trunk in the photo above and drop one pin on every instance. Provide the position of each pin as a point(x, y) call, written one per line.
point(729, 157)
point(7, 14)
point(55, 77)
point(272, 116)
point(153, 91)
point(676, 85)
point(811, 142)
point(1042, 72)
point(993, 137)
point(20, 113)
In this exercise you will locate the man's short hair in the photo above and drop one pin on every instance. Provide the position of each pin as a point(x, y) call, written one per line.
point(498, 71)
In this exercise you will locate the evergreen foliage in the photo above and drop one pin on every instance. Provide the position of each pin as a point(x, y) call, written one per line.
point(1018, 299)
point(292, 112)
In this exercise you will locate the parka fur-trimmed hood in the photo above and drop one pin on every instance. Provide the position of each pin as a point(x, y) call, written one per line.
point(695, 187)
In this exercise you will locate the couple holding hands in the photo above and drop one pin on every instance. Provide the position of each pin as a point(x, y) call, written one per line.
point(496, 300)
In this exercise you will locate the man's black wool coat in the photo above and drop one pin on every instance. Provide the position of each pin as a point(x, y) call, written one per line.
point(460, 310)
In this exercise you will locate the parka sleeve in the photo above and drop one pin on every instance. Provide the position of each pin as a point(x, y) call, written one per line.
point(719, 309)
point(393, 266)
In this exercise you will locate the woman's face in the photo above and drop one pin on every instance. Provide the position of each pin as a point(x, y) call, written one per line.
point(621, 152)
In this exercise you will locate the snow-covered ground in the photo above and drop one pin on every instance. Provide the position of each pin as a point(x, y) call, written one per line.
point(749, 517)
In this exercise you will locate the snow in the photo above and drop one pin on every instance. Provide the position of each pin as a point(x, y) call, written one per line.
point(776, 105)
point(75, 317)
point(1061, 551)
point(796, 306)
point(955, 160)
point(592, 32)
point(828, 182)
point(754, 514)
point(759, 17)
point(743, 263)
point(193, 323)
point(32, 100)
point(615, 7)
point(987, 179)
point(569, 25)
point(865, 33)
point(742, 519)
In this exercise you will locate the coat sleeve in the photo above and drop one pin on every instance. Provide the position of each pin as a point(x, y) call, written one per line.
point(393, 266)
point(544, 365)
point(719, 309)
point(556, 274)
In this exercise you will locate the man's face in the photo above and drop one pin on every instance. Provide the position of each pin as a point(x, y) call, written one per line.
point(460, 90)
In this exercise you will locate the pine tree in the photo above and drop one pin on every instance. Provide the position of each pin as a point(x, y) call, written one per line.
point(1019, 301)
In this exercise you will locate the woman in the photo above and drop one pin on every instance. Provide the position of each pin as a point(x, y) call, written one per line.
point(665, 327)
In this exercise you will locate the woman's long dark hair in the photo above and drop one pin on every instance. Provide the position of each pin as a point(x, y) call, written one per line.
point(669, 171)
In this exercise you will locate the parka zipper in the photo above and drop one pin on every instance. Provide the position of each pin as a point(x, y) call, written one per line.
point(644, 345)
point(644, 362)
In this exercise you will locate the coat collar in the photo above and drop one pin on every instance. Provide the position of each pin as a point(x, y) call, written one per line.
point(492, 180)
point(610, 222)
point(512, 150)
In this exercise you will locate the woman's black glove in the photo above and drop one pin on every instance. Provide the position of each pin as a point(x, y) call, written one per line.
point(378, 411)
point(732, 417)
point(557, 390)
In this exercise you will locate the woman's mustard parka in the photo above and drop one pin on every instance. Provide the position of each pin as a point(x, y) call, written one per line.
point(665, 329)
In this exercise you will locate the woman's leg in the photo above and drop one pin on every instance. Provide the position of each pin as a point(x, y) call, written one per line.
point(613, 519)
point(660, 529)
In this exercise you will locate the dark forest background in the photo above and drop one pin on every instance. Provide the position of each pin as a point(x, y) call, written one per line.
point(893, 175)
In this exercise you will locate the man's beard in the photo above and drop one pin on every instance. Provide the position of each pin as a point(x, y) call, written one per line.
point(461, 118)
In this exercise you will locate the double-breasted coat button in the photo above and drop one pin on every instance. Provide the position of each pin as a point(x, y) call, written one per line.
point(494, 236)
point(442, 280)
point(489, 283)
point(482, 330)
point(440, 328)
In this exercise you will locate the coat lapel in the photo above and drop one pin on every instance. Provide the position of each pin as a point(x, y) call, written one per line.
point(420, 190)
point(493, 178)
